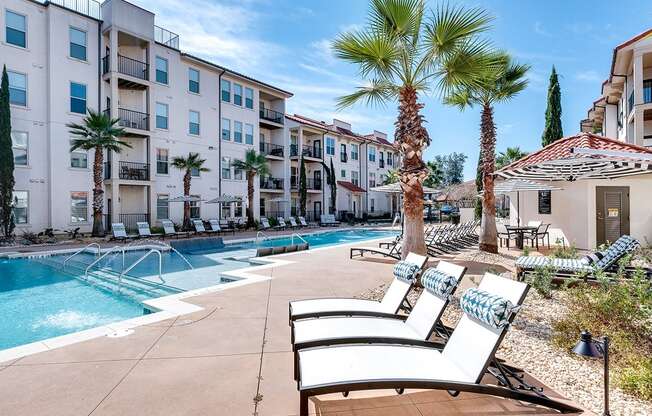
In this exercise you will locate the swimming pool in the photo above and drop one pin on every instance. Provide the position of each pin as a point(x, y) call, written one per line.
point(39, 299)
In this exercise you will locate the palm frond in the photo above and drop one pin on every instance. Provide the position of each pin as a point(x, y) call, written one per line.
point(377, 93)
point(399, 19)
point(450, 27)
point(375, 53)
point(461, 98)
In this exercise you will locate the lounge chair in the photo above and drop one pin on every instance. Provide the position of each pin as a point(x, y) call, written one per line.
point(227, 225)
point(169, 231)
point(304, 223)
point(200, 229)
point(281, 224)
point(459, 367)
point(394, 297)
point(393, 252)
point(587, 265)
point(328, 220)
point(439, 283)
point(264, 224)
point(144, 231)
point(119, 232)
point(293, 223)
point(215, 226)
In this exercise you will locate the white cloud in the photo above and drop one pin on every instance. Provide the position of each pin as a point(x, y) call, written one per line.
point(323, 51)
point(588, 76)
point(539, 30)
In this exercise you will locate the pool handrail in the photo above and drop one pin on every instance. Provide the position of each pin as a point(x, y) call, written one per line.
point(260, 233)
point(82, 250)
point(182, 256)
point(137, 262)
point(299, 237)
point(103, 256)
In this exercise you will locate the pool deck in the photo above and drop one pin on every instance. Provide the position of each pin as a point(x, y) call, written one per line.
point(231, 358)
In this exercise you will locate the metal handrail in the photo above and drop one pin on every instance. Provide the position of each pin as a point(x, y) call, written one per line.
point(182, 256)
point(299, 237)
point(82, 250)
point(260, 233)
point(137, 262)
point(103, 256)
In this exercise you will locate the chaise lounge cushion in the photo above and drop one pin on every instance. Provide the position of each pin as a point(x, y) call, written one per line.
point(572, 265)
point(438, 283)
point(406, 271)
point(619, 248)
point(492, 310)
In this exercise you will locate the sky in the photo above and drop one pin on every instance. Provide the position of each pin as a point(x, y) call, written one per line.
point(287, 43)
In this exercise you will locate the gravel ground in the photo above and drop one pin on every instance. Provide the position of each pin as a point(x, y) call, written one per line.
point(527, 345)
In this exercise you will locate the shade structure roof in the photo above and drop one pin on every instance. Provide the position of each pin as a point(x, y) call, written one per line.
point(225, 199)
point(395, 188)
point(186, 198)
point(579, 157)
point(521, 185)
point(350, 186)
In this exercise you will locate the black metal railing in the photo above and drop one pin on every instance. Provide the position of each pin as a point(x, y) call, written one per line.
point(106, 65)
point(647, 91)
point(130, 220)
point(344, 157)
point(630, 103)
point(271, 115)
point(133, 171)
point(166, 37)
point(274, 214)
point(133, 67)
point(90, 8)
point(306, 151)
point(314, 184)
point(381, 163)
point(132, 119)
point(271, 183)
point(271, 149)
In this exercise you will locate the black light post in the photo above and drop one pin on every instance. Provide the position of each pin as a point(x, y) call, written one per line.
point(589, 347)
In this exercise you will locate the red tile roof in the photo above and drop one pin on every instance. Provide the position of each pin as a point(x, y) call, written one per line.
point(561, 149)
point(350, 186)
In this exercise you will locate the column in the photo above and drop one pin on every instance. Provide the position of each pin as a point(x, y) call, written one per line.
point(638, 100)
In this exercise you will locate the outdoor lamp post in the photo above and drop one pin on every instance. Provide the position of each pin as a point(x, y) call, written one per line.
point(589, 347)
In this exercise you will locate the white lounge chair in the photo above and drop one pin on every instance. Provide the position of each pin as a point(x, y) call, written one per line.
point(215, 226)
point(169, 231)
point(393, 251)
point(200, 229)
point(264, 224)
point(304, 223)
point(389, 306)
point(281, 224)
point(458, 367)
point(293, 222)
point(144, 231)
point(119, 231)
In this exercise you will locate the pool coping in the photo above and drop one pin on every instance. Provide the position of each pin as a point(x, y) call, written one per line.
point(170, 306)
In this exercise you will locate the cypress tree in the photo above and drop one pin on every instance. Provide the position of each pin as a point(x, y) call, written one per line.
point(478, 186)
point(553, 130)
point(303, 189)
point(6, 160)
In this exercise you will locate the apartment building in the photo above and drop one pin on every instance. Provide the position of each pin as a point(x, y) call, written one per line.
point(623, 110)
point(64, 57)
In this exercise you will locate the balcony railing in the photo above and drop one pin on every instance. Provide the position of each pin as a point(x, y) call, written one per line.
point(90, 8)
point(133, 67)
point(133, 171)
point(271, 149)
point(271, 115)
point(311, 183)
point(166, 37)
point(306, 151)
point(131, 119)
point(271, 183)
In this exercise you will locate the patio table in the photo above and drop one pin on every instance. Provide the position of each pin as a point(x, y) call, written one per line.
point(520, 232)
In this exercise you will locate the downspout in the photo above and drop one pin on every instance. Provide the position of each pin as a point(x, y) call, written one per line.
point(219, 139)
point(99, 66)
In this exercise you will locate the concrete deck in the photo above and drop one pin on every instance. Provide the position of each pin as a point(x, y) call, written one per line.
point(232, 358)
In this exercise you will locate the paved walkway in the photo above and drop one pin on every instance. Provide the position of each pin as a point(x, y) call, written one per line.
point(232, 358)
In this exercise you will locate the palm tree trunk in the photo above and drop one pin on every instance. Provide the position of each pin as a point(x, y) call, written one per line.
point(412, 137)
point(250, 197)
point(98, 193)
point(186, 204)
point(488, 235)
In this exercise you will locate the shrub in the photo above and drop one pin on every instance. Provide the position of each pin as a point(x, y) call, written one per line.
point(621, 309)
point(541, 280)
point(157, 230)
point(526, 250)
point(562, 252)
point(30, 238)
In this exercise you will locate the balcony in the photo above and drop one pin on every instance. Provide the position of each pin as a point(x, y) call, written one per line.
point(306, 151)
point(165, 37)
point(132, 119)
point(271, 183)
point(131, 171)
point(311, 184)
point(271, 115)
point(127, 66)
point(271, 149)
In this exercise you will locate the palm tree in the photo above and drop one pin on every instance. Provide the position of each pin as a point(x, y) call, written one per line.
point(255, 164)
point(98, 132)
point(510, 155)
point(188, 165)
point(402, 54)
point(393, 176)
point(507, 80)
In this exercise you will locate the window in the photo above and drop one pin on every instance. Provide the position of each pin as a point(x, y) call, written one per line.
point(249, 98)
point(330, 146)
point(226, 91)
point(381, 157)
point(78, 207)
point(249, 134)
point(77, 98)
point(162, 207)
point(226, 168)
point(161, 70)
point(16, 29)
point(372, 179)
point(193, 80)
point(343, 173)
point(17, 88)
point(237, 94)
point(354, 151)
point(161, 116)
point(238, 209)
point(194, 208)
point(162, 162)
point(355, 179)
point(237, 131)
point(20, 207)
point(372, 205)
point(226, 211)
point(19, 146)
point(390, 159)
point(343, 153)
point(226, 129)
point(237, 174)
point(545, 205)
point(194, 172)
point(193, 123)
point(79, 158)
point(372, 154)
point(77, 44)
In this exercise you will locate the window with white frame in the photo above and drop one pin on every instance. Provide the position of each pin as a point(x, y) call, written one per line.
point(372, 154)
point(249, 133)
point(19, 145)
point(193, 80)
point(161, 70)
point(237, 94)
point(193, 122)
point(226, 91)
point(237, 131)
point(372, 179)
point(20, 207)
point(238, 174)
point(162, 206)
point(226, 129)
point(78, 158)
point(77, 43)
point(390, 159)
point(237, 209)
point(195, 172)
point(355, 178)
point(77, 98)
point(161, 116)
point(225, 211)
point(78, 207)
point(343, 173)
point(226, 167)
point(15, 29)
point(195, 208)
point(249, 98)
point(17, 88)
point(354, 151)
point(162, 161)
point(330, 146)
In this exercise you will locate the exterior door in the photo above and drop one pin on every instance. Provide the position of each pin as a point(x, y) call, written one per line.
point(317, 209)
point(612, 213)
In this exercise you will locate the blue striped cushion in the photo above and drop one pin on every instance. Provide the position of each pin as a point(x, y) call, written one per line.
point(618, 249)
point(438, 283)
point(406, 271)
point(489, 309)
point(532, 262)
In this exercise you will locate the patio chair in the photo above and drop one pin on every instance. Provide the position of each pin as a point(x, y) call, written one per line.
point(505, 235)
point(144, 231)
point(169, 231)
point(405, 273)
point(393, 252)
point(200, 228)
point(281, 224)
point(439, 283)
point(119, 232)
point(459, 367)
point(293, 223)
point(304, 223)
point(541, 233)
point(264, 224)
point(587, 265)
point(215, 226)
